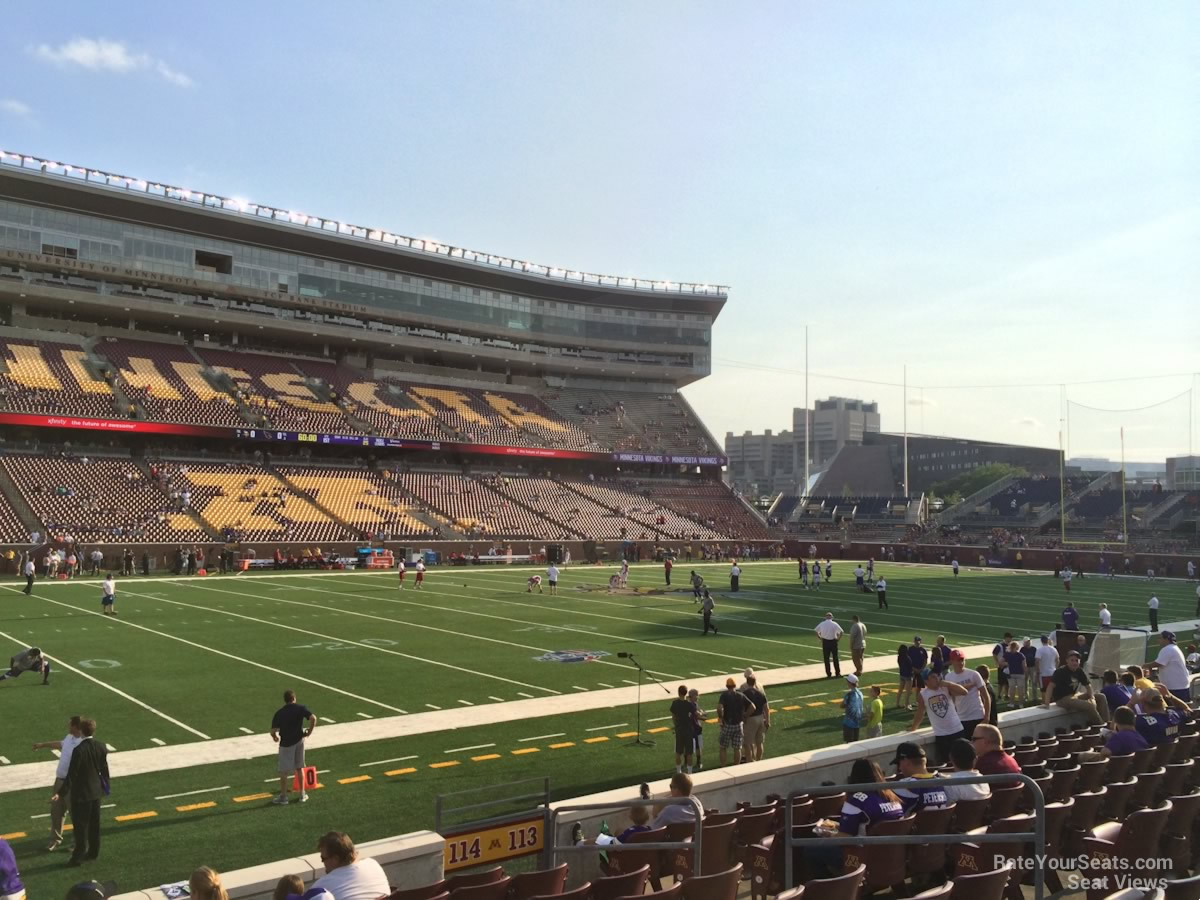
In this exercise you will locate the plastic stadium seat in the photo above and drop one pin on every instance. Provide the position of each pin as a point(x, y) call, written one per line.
point(844, 887)
point(583, 892)
point(1137, 838)
point(612, 886)
point(674, 892)
point(490, 890)
point(427, 892)
point(545, 881)
point(718, 886)
point(469, 879)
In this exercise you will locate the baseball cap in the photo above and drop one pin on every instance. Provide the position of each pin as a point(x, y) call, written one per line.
point(1168, 635)
point(749, 673)
point(729, 682)
point(1074, 653)
point(957, 654)
point(908, 750)
point(852, 678)
point(916, 639)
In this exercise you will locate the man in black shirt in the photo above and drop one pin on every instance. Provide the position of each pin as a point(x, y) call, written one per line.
point(682, 711)
point(757, 721)
point(288, 731)
point(731, 711)
point(1070, 688)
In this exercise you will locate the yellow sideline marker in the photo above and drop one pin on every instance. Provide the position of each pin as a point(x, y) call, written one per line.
point(209, 804)
point(563, 744)
point(526, 750)
point(407, 771)
point(354, 780)
point(444, 765)
point(248, 797)
point(659, 730)
point(595, 740)
point(486, 756)
point(150, 814)
point(627, 734)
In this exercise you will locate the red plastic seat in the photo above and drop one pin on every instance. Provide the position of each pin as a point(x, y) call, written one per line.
point(467, 879)
point(613, 886)
point(673, 892)
point(718, 886)
point(583, 892)
point(844, 887)
point(984, 886)
point(492, 890)
point(541, 882)
point(1135, 839)
point(427, 892)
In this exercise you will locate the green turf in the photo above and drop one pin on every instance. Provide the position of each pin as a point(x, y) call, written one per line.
point(214, 654)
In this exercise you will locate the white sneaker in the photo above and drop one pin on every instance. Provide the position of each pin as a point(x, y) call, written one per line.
point(304, 797)
point(281, 800)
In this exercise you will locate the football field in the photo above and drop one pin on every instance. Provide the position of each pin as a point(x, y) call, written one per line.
point(190, 663)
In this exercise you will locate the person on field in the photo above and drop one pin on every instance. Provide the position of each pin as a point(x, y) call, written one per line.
point(58, 808)
point(288, 731)
point(30, 660)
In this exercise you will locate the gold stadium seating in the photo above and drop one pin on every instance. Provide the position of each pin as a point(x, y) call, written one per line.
point(364, 500)
point(50, 378)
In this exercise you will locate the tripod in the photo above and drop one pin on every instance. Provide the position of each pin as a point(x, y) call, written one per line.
point(642, 671)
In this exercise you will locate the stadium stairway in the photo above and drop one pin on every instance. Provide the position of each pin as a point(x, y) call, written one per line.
point(430, 518)
point(968, 505)
point(311, 498)
point(1172, 500)
point(112, 375)
point(512, 497)
point(205, 525)
point(16, 500)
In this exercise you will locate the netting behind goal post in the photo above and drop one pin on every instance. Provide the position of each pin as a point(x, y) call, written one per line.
point(1126, 447)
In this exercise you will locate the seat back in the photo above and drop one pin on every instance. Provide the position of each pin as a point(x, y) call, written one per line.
point(1183, 889)
point(1091, 775)
point(1185, 746)
point(1146, 788)
point(627, 858)
point(1057, 816)
point(886, 863)
point(802, 813)
point(491, 890)
point(929, 858)
point(942, 890)
point(613, 886)
point(1062, 784)
point(542, 881)
point(969, 814)
point(828, 806)
point(1119, 768)
point(674, 892)
point(467, 879)
point(720, 818)
point(1117, 799)
point(752, 828)
point(1142, 760)
point(718, 886)
point(983, 886)
point(1178, 773)
point(426, 892)
point(844, 887)
point(1004, 802)
point(1140, 833)
point(583, 892)
point(1184, 809)
point(1163, 754)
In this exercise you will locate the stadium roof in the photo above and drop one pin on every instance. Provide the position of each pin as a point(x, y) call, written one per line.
point(109, 195)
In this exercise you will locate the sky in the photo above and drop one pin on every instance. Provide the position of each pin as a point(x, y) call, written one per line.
point(999, 202)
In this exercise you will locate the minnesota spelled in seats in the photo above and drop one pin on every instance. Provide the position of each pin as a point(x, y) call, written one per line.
point(51, 378)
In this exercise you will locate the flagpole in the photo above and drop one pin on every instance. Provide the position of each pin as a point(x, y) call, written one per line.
point(807, 420)
point(906, 430)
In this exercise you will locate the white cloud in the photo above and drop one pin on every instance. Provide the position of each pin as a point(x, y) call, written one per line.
point(922, 401)
point(1027, 422)
point(99, 54)
point(15, 108)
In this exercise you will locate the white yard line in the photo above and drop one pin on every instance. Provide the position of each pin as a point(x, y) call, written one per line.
point(109, 687)
point(608, 727)
point(386, 650)
point(193, 793)
point(160, 743)
point(384, 762)
point(465, 749)
point(209, 649)
point(364, 715)
point(542, 737)
point(244, 729)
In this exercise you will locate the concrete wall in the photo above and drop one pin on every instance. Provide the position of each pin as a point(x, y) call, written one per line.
point(410, 860)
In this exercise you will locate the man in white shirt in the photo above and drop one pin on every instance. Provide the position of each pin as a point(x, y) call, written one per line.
point(1105, 618)
point(975, 706)
point(109, 595)
point(552, 578)
point(29, 570)
point(1152, 605)
point(881, 593)
point(676, 813)
point(938, 698)
point(830, 632)
point(1172, 667)
point(735, 574)
point(1046, 660)
point(58, 807)
point(1191, 569)
point(346, 876)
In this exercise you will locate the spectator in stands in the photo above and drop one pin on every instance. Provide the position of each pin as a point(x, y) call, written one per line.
point(292, 886)
point(346, 876)
point(859, 812)
point(205, 884)
point(1071, 689)
point(1162, 714)
point(675, 813)
point(757, 722)
point(1125, 738)
point(990, 755)
point(910, 763)
point(974, 706)
point(1114, 692)
point(962, 759)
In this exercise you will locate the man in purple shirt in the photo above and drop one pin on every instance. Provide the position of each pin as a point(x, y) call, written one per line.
point(1116, 693)
point(1125, 739)
point(10, 878)
point(1070, 617)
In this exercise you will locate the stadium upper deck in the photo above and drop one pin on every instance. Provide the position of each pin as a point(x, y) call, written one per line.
point(92, 246)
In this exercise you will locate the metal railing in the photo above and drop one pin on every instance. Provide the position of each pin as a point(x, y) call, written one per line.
point(245, 209)
point(1037, 836)
point(695, 844)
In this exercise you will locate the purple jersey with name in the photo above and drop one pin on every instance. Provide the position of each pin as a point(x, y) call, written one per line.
point(1070, 618)
point(1159, 727)
point(932, 796)
point(867, 808)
